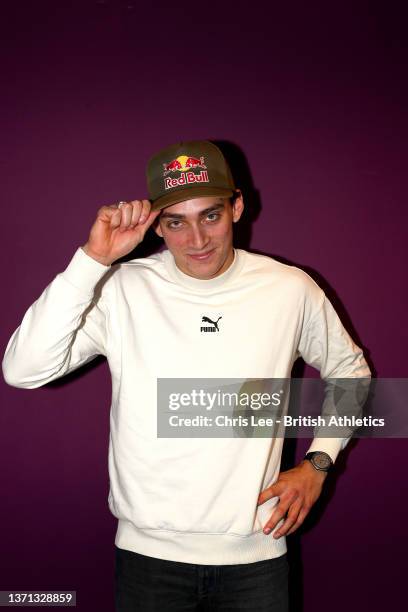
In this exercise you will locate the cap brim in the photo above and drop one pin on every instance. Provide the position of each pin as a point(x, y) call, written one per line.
point(189, 194)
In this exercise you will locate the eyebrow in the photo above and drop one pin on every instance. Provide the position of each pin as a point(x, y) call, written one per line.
point(202, 213)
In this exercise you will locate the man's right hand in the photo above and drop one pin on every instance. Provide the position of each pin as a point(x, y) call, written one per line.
point(118, 229)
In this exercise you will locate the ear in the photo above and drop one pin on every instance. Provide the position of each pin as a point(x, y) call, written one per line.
point(237, 207)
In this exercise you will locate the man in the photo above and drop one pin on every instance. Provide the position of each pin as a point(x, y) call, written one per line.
point(201, 520)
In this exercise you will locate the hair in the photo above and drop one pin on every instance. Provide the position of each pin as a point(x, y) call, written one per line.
point(234, 196)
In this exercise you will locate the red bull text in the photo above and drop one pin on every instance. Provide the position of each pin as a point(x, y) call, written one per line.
point(187, 178)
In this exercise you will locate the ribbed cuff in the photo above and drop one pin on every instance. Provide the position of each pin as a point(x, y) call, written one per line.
point(83, 271)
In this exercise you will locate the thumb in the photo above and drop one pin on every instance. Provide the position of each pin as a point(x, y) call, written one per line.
point(152, 216)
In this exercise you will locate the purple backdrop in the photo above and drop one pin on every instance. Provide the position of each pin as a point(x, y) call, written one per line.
point(312, 106)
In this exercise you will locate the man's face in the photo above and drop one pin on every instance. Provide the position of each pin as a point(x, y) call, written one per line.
point(198, 233)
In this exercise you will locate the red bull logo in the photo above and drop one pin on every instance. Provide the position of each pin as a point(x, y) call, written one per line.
point(182, 163)
point(185, 164)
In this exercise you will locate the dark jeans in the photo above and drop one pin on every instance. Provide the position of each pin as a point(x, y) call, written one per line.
point(148, 584)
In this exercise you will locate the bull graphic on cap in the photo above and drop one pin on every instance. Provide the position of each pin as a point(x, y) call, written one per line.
point(183, 163)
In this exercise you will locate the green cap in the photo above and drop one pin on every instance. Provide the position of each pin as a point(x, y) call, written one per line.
point(187, 170)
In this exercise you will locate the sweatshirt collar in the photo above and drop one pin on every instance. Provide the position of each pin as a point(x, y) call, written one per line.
point(202, 284)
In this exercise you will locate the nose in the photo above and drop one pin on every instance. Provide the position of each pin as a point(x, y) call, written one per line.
point(199, 238)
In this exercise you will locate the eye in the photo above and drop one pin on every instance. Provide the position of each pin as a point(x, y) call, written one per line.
point(214, 216)
point(174, 224)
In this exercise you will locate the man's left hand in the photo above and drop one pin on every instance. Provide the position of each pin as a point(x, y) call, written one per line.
point(297, 489)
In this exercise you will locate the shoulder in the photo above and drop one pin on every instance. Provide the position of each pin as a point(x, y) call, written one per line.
point(129, 274)
point(141, 263)
point(294, 288)
point(278, 273)
point(141, 267)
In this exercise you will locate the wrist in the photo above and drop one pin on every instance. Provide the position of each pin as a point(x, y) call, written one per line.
point(99, 258)
point(319, 460)
point(307, 465)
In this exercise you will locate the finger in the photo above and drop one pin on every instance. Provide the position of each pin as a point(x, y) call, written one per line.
point(303, 514)
point(115, 216)
point(146, 207)
point(273, 491)
point(270, 525)
point(136, 212)
point(290, 521)
point(279, 514)
point(126, 212)
point(282, 509)
point(105, 212)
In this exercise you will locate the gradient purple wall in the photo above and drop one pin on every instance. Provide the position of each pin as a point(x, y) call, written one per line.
point(315, 100)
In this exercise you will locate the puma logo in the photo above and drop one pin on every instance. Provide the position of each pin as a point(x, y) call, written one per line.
point(205, 319)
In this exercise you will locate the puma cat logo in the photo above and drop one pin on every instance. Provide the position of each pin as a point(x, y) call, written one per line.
point(205, 319)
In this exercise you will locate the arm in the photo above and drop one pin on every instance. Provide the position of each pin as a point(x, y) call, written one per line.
point(62, 330)
point(325, 345)
point(65, 328)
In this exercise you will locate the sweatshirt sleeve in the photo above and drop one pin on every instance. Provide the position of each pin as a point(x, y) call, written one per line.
point(326, 346)
point(62, 330)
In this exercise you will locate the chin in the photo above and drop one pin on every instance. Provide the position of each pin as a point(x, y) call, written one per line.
point(203, 270)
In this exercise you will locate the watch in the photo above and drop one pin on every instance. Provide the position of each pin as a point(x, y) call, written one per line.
point(321, 461)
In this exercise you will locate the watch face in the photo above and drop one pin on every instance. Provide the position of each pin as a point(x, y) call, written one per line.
point(322, 461)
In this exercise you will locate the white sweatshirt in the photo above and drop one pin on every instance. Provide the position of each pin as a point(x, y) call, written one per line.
point(190, 500)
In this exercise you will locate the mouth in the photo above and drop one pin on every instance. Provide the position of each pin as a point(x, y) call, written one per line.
point(201, 256)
